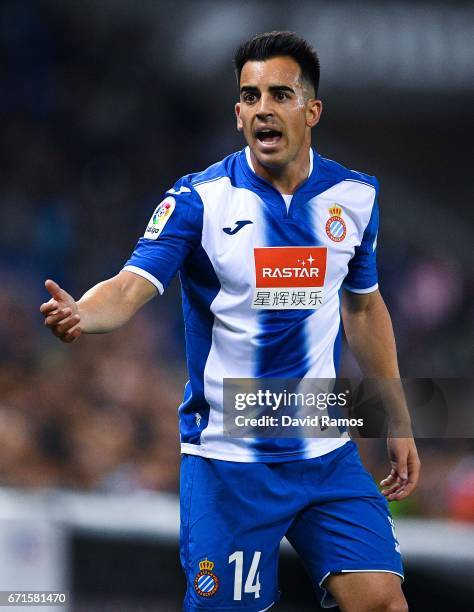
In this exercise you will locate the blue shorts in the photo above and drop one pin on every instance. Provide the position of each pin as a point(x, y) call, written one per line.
point(234, 515)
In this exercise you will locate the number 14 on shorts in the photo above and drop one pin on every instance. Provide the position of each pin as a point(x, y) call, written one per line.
point(252, 582)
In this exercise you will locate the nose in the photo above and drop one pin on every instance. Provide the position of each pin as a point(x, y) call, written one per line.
point(265, 106)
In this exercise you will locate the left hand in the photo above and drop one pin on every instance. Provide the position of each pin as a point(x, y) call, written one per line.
point(405, 472)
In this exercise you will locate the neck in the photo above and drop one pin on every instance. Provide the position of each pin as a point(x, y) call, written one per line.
point(286, 179)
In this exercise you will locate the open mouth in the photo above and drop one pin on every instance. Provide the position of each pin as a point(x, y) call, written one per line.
point(268, 137)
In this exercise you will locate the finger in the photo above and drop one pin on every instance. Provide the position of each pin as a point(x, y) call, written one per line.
point(405, 492)
point(61, 329)
point(402, 467)
point(54, 289)
point(393, 488)
point(410, 486)
point(395, 476)
point(68, 323)
point(49, 307)
point(66, 336)
point(72, 334)
point(398, 495)
point(390, 478)
point(55, 319)
point(402, 493)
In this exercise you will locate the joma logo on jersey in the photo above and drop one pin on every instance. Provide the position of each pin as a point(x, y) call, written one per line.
point(288, 278)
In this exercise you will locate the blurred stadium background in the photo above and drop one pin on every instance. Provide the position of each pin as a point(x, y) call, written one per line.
point(104, 104)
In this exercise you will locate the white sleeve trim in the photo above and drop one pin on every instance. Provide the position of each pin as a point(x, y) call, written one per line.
point(372, 571)
point(355, 290)
point(146, 275)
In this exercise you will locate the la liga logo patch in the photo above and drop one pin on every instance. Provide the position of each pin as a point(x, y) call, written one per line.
point(336, 227)
point(160, 217)
point(206, 583)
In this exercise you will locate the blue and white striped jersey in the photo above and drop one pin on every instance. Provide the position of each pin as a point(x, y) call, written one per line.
point(261, 286)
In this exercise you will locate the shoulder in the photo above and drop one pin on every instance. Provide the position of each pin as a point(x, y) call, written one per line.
point(184, 199)
point(188, 194)
point(225, 168)
point(213, 186)
point(339, 172)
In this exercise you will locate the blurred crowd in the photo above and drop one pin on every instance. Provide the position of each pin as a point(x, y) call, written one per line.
point(96, 125)
point(100, 414)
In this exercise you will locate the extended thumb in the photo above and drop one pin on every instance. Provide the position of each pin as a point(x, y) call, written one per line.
point(53, 288)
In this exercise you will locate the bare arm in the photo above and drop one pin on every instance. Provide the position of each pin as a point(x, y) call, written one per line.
point(105, 307)
point(369, 333)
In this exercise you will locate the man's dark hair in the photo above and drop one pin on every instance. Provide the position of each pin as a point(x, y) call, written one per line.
point(277, 44)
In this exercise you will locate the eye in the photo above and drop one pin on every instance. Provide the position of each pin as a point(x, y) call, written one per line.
point(281, 95)
point(249, 97)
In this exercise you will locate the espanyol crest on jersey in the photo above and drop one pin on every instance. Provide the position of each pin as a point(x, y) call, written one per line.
point(206, 582)
point(162, 213)
point(336, 228)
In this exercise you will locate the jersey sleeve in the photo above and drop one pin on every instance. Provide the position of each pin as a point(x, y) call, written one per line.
point(362, 276)
point(174, 230)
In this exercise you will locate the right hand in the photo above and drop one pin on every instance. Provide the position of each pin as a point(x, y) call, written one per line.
point(61, 314)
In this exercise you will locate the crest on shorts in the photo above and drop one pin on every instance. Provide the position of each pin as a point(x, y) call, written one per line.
point(335, 226)
point(160, 217)
point(206, 583)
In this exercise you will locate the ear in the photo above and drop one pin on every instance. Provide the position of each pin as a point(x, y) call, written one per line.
point(240, 125)
point(314, 108)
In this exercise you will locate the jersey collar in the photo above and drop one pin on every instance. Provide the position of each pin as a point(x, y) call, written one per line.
point(260, 184)
point(248, 157)
point(268, 192)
